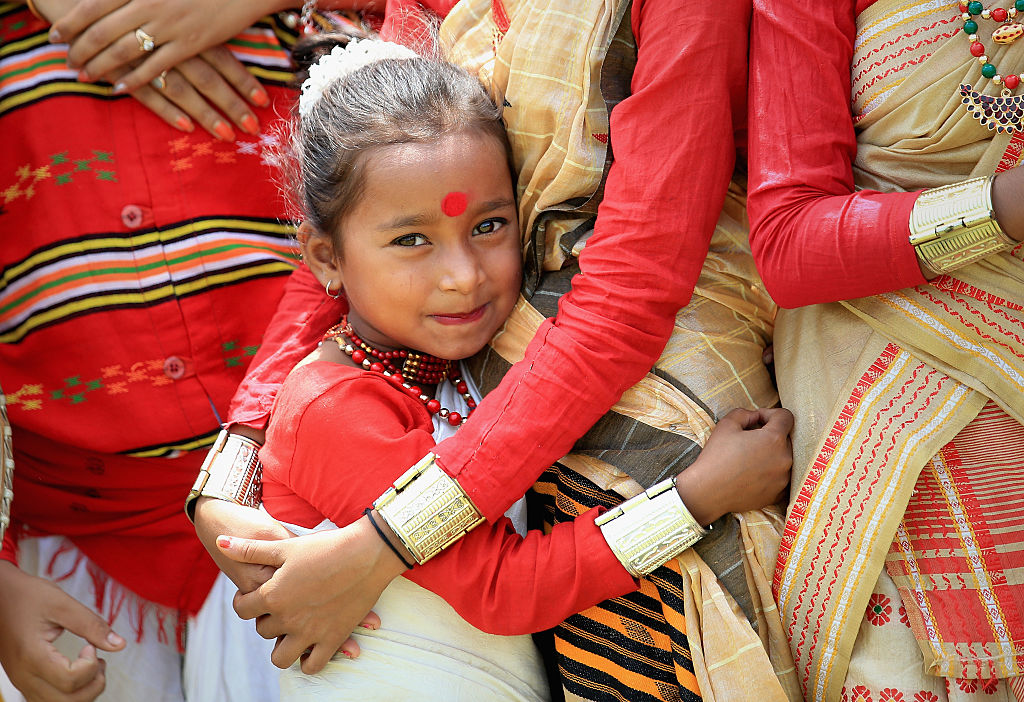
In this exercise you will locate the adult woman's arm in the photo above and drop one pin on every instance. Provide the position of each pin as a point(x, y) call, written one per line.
point(815, 239)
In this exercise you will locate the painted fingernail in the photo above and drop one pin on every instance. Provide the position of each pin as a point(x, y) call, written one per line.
point(224, 130)
point(251, 124)
point(224, 541)
point(120, 88)
point(260, 97)
point(54, 36)
point(84, 77)
point(184, 124)
point(367, 626)
point(347, 654)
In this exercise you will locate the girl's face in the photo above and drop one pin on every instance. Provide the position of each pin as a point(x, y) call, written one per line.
point(430, 255)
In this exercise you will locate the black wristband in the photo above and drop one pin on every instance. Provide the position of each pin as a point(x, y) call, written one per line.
point(369, 513)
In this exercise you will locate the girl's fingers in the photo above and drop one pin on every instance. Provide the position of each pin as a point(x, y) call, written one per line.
point(213, 87)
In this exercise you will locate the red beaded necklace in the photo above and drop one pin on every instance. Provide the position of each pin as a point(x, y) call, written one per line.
point(416, 367)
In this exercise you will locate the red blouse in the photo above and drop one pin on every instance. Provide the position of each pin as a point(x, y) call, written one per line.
point(497, 580)
point(140, 266)
point(814, 239)
point(675, 147)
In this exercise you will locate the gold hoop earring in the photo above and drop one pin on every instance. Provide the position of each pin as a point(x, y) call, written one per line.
point(327, 288)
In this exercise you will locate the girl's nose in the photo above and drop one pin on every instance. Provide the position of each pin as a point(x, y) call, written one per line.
point(461, 271)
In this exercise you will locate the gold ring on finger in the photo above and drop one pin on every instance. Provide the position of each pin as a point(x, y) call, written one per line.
point(146, 42)
point(160, 82)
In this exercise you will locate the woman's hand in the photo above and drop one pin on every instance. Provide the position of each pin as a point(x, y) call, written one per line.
point(102, 33)
point(745, 465)
point(198, 87)
point(33, 613)
point(324, 586)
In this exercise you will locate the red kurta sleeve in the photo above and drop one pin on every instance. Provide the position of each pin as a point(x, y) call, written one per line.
point(814, 239)
point(303, 315)
point(674, 139)
point(497, 580)
point(9, 552)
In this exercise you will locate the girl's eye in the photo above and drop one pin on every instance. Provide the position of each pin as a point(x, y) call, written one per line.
point(410, 240)
point(489, 226)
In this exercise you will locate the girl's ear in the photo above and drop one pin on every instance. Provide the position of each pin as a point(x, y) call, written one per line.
point(318, 253)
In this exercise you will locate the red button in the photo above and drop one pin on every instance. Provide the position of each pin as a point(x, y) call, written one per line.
point(131, 216)
point(174, 368)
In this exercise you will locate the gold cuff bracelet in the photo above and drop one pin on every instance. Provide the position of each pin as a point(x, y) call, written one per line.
point(232, 471)
point(954, 225)
point(646, 531)
point(427, 509)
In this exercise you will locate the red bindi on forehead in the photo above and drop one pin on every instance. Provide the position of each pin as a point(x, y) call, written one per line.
point(454, 203)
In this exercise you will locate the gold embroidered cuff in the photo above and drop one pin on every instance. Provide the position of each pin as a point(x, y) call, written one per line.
point(232, 471)
point(954, 225)
point(646, 531)
point(427, 509)
point(6, 468)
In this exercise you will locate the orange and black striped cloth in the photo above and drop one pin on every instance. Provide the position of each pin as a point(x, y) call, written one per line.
point(629, 649)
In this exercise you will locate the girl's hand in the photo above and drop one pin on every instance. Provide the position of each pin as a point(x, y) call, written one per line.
point(214, 517)
point(33, 613)
point(102, 33)
point(200, 86)
point(324, 586)
point(745, 465)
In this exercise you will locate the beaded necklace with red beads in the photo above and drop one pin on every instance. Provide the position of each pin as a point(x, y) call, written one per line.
point(416, 368)
point(1001, 113)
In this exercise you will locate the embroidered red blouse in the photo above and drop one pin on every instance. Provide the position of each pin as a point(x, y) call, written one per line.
point(140, 266)
point(497, 580)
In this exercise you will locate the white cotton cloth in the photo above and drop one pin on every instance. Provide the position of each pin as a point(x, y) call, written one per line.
point(424, 651)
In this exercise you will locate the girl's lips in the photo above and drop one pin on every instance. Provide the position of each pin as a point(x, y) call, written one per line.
point(463, 318)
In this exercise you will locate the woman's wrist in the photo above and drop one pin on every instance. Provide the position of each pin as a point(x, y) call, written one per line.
point(1007, 203)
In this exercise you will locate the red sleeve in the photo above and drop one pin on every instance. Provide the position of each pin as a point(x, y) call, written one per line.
point(496, 580)
point(814, 239)
point(674, 139)
point(303, 315)
point(9, 552)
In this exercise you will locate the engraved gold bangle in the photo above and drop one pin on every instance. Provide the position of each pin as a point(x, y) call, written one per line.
point(232, 471)
point(427, 509)
point(954, 225)
point(6, 468)
point(646, 531)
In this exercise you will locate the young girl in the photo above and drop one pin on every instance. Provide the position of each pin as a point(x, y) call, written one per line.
point(410, 210)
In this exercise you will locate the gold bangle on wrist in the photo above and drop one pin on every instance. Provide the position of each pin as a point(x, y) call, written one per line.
point(954, 225)
point(427, 509)
point(646, 531)
point(232, 471)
